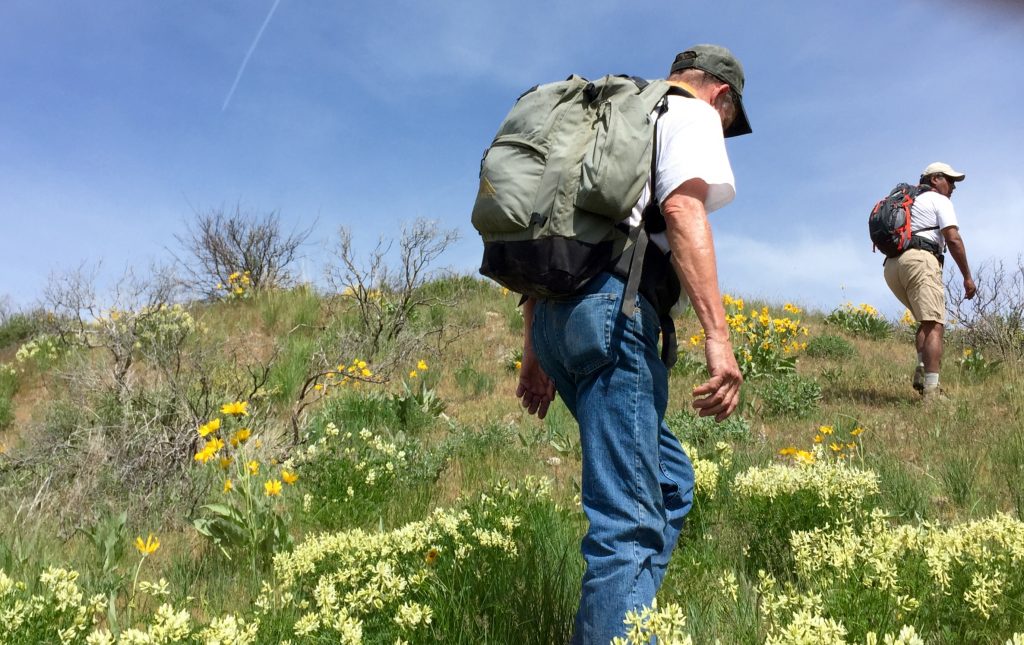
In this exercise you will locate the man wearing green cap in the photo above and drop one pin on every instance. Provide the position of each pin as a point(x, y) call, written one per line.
point(915, 276)
point(637, 482)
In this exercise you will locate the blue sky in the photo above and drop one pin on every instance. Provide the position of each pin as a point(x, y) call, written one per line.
point(117, 122)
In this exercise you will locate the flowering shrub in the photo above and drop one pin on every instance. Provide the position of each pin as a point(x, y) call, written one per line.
point(964, 581)
point(247, 516)
point(42, 349)
point(396, 584)
point(815, 490)
point(861, 320)
point(351, 475)
point(763, 345)
point(57, 612)
point(238, 287)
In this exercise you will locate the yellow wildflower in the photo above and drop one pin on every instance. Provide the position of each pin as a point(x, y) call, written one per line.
point(211, 426)
point(422, 365)
point(785, 452)
point(519, 365)
point(804, 457)
point(272, 487)
point(225, 462)
point(826, 429)
point(149, 546)
point(856, 431)
point(228, 485)
point(289, 477)
point(238, 408)
point(254, 467)
point(412, 374)
point(240, 436)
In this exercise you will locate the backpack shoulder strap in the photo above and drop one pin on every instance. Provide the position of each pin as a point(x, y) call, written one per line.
point(919, 190)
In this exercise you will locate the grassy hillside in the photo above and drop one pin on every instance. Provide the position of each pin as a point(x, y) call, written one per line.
point(286, 466)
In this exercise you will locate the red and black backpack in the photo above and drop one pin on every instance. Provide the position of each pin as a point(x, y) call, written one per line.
point(889, 221)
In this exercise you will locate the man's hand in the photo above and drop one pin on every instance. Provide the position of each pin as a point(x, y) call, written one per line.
point(969, 288)
point(536, 390)
point(720, 395)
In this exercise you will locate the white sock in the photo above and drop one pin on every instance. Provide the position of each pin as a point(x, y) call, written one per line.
point(920, 359)
point(931, 378)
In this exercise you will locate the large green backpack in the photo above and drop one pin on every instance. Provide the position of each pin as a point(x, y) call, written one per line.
point(560, 179)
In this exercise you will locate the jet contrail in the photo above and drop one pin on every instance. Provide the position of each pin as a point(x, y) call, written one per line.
point(248, 55)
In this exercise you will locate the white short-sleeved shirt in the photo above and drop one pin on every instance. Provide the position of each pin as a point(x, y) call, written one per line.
point(690, 146)
point(932, 209)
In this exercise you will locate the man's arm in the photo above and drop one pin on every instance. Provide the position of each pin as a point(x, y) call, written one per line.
point(955, 244)
point(693, 256)
point(536, 390)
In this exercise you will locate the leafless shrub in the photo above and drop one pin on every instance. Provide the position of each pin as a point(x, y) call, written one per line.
point(139, 378)
point(385, 297)
point(994, 318)
point(135, 319)
point(218, 245)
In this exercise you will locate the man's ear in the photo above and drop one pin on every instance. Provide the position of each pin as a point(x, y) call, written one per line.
point(719, 94)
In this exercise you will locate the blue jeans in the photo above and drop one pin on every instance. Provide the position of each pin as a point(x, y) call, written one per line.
point(637, 480)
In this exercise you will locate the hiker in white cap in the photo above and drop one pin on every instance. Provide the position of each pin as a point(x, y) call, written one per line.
point(915, 276)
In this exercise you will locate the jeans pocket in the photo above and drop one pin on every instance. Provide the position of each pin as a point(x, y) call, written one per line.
point(585, 327)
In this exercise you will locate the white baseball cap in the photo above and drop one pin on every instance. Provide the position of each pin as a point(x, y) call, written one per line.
point(943, 168)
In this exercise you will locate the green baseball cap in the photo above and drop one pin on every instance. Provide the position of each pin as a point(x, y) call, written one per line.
point(720, 62)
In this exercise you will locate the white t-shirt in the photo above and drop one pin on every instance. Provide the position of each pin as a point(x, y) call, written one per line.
point(931, 209)
point(690, 146)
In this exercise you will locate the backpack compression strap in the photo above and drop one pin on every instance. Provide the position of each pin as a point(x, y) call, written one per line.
point(632, 266)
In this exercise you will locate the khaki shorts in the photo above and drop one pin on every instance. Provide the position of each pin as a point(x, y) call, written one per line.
point(915, 277)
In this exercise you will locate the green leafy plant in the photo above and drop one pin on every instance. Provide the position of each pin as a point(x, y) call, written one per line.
point(861, 320)
point(789, 395)
point(975, 367)
point(830, 346)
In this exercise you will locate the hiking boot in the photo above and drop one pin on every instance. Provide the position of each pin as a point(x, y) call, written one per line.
point(919, 379)
point(933, 394)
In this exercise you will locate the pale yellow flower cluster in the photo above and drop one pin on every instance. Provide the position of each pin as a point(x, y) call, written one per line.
point(150, 328)
point(979, 562)
point(836, 484)
point(349, 580)
point(169, 626)
point(59, 602)
point(376, 459)
point(42, 347)
point(705, 473)
point(667, 625)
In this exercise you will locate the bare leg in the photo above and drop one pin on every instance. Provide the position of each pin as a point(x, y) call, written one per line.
point(929, 343)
